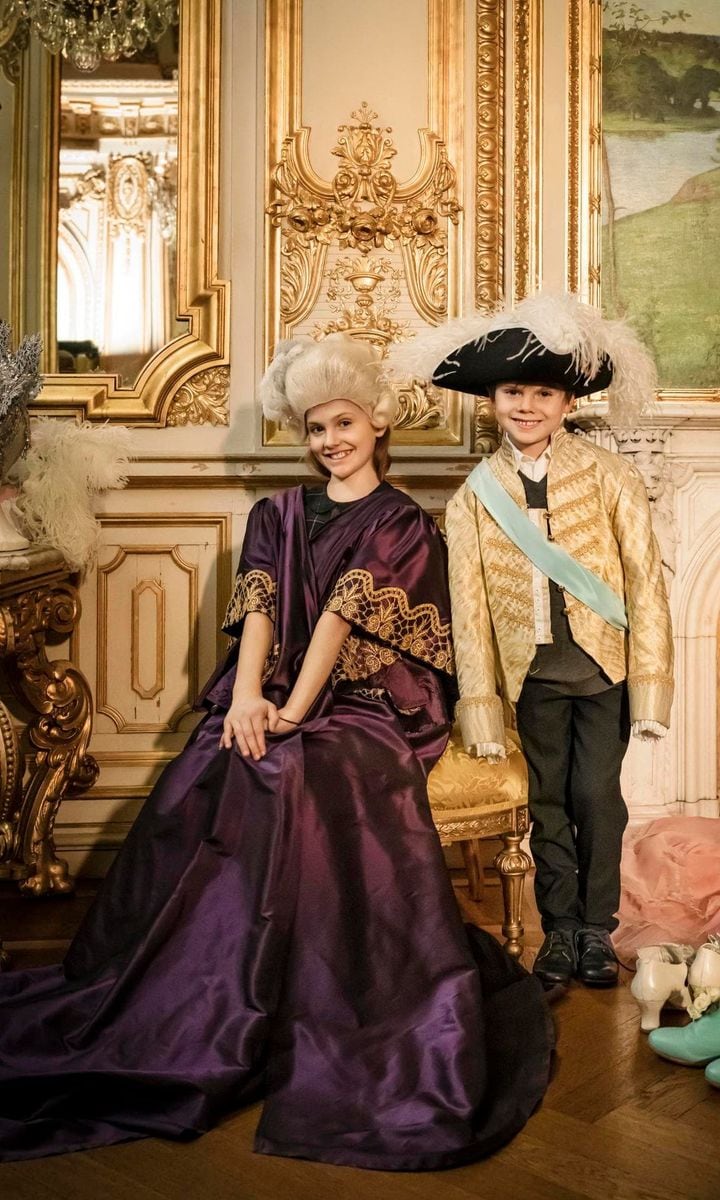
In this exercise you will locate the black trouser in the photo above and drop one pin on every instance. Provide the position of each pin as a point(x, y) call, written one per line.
point(574, 746)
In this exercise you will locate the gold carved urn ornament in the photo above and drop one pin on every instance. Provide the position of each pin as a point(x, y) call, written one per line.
point(20, 383)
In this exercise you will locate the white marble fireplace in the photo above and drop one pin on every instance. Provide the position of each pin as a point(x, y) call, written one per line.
point(677, 450)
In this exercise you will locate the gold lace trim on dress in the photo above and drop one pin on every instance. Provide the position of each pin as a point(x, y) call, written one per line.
point(360, 658)
point(386, 614)
point(254, 592)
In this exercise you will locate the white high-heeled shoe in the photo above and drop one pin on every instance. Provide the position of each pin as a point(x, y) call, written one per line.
point(660, 978)
point(704, 977)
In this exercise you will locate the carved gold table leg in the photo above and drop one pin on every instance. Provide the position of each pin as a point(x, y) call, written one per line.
point(59, 695)
point(512, 863)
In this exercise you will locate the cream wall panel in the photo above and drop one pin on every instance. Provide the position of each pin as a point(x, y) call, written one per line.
point(150, 592)
point(365, 226)
point(375, 52)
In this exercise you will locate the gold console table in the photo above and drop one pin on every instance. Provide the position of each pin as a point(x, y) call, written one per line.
point(37, 599)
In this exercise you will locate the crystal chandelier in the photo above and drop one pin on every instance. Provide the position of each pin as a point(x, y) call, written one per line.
point(86, 32)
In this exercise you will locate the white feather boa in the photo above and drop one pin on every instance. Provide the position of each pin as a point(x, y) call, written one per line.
point(64, 469)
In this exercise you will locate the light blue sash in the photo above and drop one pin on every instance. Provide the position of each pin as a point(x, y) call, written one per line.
point(552, 560)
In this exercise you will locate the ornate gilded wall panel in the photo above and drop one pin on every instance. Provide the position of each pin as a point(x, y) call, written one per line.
point(526, 176)
point(584, 147)
point(509, 41)
point(489, 144)
point(366, 251)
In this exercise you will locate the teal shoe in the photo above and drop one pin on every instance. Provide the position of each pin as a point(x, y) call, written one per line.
point(712, 1073)
point(695, 1045)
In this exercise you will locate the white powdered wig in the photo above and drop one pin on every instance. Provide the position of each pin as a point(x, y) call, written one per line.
point(561, 323)
point(304, 373)
point(66, 465)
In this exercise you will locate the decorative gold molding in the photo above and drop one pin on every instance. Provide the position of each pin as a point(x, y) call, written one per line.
point(489, 143)
point(574, 143)
point(202, 297)
point(119, 108)
point(366, 211)
point(10, 774)
point(203, 400)
point(493, 823)
point(265, 474)
point(158, 592)
point(18, 194)
point(527, 24)
point(584, 148)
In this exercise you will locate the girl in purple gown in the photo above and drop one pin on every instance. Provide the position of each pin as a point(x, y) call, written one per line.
point(279, 922)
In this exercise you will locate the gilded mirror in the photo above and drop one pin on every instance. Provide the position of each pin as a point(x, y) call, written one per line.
point(108, 233)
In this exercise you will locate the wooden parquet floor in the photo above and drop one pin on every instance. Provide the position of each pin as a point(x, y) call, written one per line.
point(616, 1124)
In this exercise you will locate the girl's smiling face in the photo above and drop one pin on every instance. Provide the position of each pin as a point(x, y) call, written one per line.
point(341, 437)
point(530, 413)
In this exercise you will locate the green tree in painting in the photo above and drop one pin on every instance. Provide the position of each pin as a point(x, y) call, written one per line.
point(695, 87)
point(641, 89)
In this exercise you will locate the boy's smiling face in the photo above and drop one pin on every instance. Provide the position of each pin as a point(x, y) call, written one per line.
point(530, 413)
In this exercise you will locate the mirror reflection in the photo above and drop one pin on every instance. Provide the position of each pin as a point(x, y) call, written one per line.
point(88, 184)
point(117, 213)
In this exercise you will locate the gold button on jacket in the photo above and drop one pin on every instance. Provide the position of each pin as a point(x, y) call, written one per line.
point(599, 513)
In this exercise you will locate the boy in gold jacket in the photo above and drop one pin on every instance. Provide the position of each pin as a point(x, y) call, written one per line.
point(566, 622)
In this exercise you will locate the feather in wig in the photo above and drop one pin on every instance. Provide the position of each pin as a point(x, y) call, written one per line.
point(65, 467)
point(561, 324)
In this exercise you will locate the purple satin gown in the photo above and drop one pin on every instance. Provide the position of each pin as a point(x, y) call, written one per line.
point(286, 929)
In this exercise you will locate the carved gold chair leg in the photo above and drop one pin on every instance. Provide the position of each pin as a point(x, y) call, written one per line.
point(512, 864)
point(474, 867)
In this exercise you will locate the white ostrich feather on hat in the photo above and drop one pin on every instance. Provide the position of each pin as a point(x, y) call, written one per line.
point(563, 324)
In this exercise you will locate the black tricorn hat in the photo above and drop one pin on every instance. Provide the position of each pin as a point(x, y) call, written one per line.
point(515, 354)
point(547, 338)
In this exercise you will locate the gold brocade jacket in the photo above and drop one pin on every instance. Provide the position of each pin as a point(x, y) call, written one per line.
point(599, 513)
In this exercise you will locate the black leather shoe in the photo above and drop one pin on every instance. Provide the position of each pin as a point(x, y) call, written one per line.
point(556, 960)
point(597, 964)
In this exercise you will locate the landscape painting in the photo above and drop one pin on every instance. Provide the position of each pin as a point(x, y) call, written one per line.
point(661, 182)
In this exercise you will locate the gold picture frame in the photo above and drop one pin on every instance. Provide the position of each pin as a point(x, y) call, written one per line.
point(585, 170)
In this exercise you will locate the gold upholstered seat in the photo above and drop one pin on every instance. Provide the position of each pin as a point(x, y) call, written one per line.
point(472, 799)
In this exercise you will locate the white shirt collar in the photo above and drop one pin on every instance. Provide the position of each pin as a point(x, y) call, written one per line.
point(525, 459)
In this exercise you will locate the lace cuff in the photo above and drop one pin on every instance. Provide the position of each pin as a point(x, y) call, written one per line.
point(492, 751)
point(254, 592)
point(481, 720)
point(386, 614)
point(648, 731)
point(650, 697)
